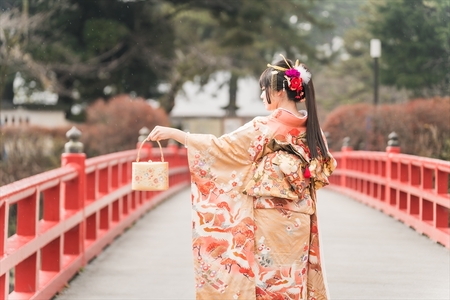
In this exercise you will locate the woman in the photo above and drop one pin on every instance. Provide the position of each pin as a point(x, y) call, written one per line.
point(255, 232)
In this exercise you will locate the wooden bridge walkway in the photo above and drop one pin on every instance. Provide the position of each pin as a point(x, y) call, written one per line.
point(368, 255)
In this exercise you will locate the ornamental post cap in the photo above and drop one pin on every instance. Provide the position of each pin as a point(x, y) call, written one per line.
point(346, 142)
point(393, 139)
point(143, 134)
point(73, 145)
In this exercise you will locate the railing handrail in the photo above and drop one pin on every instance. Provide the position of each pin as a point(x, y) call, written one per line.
point(412, 189)
point(88, 202)
point(444, 164)
point(19, 187)
point(68, 215)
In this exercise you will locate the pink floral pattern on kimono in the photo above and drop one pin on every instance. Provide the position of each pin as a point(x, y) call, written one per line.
point(254, 226)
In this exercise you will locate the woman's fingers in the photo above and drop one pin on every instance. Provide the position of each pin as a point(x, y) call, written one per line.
point(153, 134)
point(158, 133)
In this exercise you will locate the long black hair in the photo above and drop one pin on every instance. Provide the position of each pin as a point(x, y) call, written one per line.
point(274, 79)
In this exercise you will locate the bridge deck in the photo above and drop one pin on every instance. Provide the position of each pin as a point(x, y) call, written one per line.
point(368, 255)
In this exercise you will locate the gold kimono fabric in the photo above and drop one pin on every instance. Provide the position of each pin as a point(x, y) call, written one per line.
point(254, 227)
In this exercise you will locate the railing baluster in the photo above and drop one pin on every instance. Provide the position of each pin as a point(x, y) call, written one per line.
point(79, 199)
point(412, 189)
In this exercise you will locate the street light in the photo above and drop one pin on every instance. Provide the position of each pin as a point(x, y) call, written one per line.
point(375, 52)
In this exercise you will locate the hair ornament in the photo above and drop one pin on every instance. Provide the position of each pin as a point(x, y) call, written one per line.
point(295, 76)
point(273, 80)
point(304, 74)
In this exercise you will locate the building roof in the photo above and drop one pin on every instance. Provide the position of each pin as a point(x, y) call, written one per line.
point(207, 101)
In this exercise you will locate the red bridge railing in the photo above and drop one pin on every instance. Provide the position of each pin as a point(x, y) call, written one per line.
point(412, 189)
point(66, 216)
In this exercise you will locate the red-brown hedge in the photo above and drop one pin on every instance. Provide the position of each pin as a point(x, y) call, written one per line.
point(111, 126)
point(114, 125)
point(422, 126)
point(29, 150)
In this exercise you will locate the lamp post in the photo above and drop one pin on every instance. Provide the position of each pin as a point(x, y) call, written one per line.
point(375, 52)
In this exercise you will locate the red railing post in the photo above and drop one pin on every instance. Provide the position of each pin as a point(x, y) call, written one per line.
point(412, 189)
point(4, 279)
point(26, 280)
point(74, 193)
point(393, 147)
point(26, 272)
point(4, 282)
point(174, 150)
point(346, 148)
point(76, 223)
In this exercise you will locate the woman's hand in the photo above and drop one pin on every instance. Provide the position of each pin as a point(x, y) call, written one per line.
point(160, 133)
point(163, 133)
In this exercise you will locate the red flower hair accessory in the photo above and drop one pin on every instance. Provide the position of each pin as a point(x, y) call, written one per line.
point(295, 76)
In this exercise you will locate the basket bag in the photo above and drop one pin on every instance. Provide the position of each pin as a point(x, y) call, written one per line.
point(150, 176)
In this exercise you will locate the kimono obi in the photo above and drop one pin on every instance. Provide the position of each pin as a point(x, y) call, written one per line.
point(305, 206)
point(279, 181)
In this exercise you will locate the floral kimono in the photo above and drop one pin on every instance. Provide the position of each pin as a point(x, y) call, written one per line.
point(254, 225)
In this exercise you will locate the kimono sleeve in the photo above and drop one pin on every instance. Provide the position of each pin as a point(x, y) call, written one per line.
point(242, 146)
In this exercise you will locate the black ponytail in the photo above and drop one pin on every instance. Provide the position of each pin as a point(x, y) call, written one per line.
point(314, 137)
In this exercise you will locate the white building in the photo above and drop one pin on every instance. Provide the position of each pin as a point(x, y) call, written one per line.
point(199, 110)
point(19, 116)
point(27, 93)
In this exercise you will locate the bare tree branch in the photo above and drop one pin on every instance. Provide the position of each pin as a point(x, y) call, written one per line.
point(91, 69)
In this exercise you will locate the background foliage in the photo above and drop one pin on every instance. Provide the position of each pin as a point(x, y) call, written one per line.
point(416, 50)
point(111, 127)
point(414, 62)
point(147, 49)
point(28, 151)
point(77, 48)
point(422, 126)
point(114, 125)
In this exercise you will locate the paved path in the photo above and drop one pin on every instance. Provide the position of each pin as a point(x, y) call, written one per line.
point(368, 255)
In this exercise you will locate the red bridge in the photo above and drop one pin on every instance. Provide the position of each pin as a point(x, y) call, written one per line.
point(67, 216)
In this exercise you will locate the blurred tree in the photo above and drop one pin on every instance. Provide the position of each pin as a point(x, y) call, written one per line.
point(114, 125)
point(415, 51)
point(416, 44)
point(15, 26)
point(83, 50)
point(240, 37)
point(349, 80)
point(77, 48)
point(341, 16)
point(346, 77)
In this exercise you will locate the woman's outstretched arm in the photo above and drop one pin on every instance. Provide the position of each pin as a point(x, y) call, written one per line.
point(163, 133)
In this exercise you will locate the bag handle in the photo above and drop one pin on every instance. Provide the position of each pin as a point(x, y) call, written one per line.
point(160, 148)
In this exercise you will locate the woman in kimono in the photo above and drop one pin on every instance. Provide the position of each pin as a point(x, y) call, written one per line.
point(254, 226)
